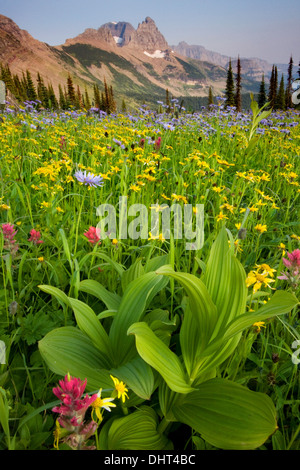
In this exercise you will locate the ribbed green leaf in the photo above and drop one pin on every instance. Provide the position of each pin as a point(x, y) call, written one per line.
point(281, 302)
point(86, 320)
point(228, 415)
point(199, 320)
point(137, 431)
point(138, 376)
point(225, 280)
point(137, 296)
point(160, 357)
point(111, 300)
point(133, 272)
point(67, 349)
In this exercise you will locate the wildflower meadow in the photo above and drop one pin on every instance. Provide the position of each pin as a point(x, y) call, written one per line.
point(117, 334)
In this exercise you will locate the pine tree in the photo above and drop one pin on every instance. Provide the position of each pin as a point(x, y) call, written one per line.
point(113, 105)
point(78, 98)
point(97, 97)
point(30, 88)
point(262, 97)
point(42, 92)
point(210, 96)
point(124, 107)
point(229, 92)
point(52, 101)
point(168, 104)
point(288, 92)
point(71, 96)
point(87, 102)
point(273, 87)
point(61, 98)
point(238, 97)
point(7, 78)
point(280, 98)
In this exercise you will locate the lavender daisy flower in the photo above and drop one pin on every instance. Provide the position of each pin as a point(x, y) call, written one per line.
point(89, 179)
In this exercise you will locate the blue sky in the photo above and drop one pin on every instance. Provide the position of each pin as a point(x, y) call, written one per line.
point(268, 29)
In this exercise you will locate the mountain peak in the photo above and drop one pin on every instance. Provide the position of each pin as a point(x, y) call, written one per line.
point(148, 37)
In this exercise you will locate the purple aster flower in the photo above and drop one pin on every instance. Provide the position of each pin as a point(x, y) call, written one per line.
point(89, 179)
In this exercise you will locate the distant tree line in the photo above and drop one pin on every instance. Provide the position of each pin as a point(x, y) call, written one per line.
point(279, 95)
point(69, 95)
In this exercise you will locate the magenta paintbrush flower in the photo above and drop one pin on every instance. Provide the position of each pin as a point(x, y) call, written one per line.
point(292, 275)
point(35, 237)
point(10, 243)
point(93, 235)
point(72, 410)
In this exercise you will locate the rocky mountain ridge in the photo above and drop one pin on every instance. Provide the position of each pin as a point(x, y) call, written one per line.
point(138, 63)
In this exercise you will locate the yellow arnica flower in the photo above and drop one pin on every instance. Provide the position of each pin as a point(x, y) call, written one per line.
point(120, 388)
point(257, 280)
point(100, 403)
point(260, 228)
point(221, 216)
point(258, 325)
point(159, 237)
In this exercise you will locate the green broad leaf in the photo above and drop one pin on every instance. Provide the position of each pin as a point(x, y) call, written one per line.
point(156, 262)
point(134, 271)
point(4, 412)
point(225, 281)
point(157, 354)
point(111, 300)
point(88, 322)
point(137, 431)
point(55, 292)
point(86, 319)
point(137, 296)
point(281, 302)
point(228, 415)
point(138, 376)
point(68, 349)
point(200, 302)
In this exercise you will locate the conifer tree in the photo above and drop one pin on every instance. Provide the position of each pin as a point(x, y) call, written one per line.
point(78, 98)
point(262, 97)
point(71, 96)
point(168, 104)
point(30, 88)
point(52, 101)
point(273, 87)
point(87, 102)
point(61, 98)
point(229, 92)
point(7, 78)
point(288, 92)
point(97, 97)
point(238, 97)
point(210, 96)
point(124, 107)
point(42, 92)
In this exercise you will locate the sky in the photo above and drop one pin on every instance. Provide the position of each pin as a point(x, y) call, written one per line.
point(267, 29)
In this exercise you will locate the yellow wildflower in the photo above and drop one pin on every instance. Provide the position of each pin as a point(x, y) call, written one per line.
point(260, 228)
point(120, 387)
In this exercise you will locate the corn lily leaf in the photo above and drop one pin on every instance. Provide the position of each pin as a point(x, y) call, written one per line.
point(228, 415)
point(157, 354)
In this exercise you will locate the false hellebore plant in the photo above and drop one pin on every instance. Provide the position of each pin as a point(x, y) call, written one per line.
point(137, 349)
